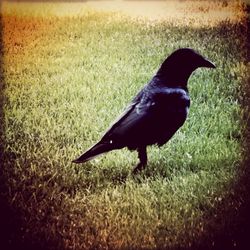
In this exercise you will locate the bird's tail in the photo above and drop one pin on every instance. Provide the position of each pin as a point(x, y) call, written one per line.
point(97, 149)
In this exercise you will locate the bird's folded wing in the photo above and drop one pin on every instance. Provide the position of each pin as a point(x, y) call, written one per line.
point(120, 120)
point(146, 112)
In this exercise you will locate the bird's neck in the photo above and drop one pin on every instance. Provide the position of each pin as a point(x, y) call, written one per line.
point(173, 74)
point(165, 81)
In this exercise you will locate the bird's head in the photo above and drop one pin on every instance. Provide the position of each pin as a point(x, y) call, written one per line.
point(178, 67)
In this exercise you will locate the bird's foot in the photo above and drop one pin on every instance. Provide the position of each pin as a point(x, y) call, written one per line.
point(139, 167)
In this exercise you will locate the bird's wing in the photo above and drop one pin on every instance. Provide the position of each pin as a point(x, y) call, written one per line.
point(126, 112)
point(145, 114)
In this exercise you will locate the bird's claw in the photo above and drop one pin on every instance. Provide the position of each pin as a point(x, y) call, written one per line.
point(139, 167)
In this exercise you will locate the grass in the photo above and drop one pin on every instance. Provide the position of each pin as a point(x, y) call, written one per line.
point(65, 78)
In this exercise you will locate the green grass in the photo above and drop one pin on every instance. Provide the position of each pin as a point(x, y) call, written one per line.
point(65, 80)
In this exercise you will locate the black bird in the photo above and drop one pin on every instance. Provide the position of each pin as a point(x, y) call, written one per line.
point(156, 112)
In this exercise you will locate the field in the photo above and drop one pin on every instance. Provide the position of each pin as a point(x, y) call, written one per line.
point(67, 71)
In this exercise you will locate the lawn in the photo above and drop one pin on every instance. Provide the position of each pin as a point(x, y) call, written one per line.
point(67, 72)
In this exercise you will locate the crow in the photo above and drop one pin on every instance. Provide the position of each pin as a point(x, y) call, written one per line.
point(156, 112)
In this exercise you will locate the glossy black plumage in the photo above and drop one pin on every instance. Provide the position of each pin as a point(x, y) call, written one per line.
point(157, 111)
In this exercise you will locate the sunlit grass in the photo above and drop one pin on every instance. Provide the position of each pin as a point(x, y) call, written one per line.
point(192, 13)
point(66, 79)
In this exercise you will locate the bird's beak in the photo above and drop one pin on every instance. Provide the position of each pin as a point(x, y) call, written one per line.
point(207, 63)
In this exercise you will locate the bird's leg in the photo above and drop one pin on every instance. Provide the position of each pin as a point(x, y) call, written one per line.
point(142, 154)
